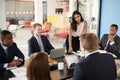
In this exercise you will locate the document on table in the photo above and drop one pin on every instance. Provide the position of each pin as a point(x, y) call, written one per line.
point(71, 60)
point(9, 68)
point(19, 78)
point(79, 53)
point(20, 71)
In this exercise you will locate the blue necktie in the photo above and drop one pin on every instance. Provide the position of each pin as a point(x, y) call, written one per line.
point(41, 44)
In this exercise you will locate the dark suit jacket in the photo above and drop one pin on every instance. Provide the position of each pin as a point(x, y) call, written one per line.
point(33, 45)
point(12, 52)
point(115, 48)
point(96, 66)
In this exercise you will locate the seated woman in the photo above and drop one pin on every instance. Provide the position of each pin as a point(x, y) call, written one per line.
point(38, 67)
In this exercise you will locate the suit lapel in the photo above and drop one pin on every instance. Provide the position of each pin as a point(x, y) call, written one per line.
point(116, 38)
point(3, 54)
point(1, 49)
point(106, 39)
point(35, 42)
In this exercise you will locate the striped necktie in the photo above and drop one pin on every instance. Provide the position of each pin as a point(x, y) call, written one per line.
point(7, 53)
point(41, 44)
point(107, 46)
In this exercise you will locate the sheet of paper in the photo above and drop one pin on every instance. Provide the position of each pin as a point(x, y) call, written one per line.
point(21, 71)
point(19, 78)
point(70, 59)
point(79, 53)
point(9, 68)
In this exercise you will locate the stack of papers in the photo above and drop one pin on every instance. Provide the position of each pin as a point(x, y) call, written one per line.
point(19, 78)
point(71, 60)
point(20, 73)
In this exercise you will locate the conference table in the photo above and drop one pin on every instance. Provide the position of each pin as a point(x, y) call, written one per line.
point(55, 74)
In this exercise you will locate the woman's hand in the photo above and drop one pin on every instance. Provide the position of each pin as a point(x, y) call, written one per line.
point(70, 50)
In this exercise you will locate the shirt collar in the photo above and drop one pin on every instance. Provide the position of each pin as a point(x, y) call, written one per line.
point(4, 47)
point(37, 36)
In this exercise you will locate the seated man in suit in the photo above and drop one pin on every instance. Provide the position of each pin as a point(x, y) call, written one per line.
point(111, 42)
point(96, 65)
point(8, 51)
point(38, 42)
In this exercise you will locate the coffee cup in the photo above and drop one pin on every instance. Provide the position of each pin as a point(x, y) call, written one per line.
point(60, 67)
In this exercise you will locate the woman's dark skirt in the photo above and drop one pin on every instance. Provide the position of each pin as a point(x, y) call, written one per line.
point(75, 43)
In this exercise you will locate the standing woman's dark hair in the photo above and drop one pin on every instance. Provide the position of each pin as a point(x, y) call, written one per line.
point(74, 23)
point(38, 67)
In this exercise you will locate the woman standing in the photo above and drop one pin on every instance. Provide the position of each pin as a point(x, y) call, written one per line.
point(78, 26)
point(38, 67)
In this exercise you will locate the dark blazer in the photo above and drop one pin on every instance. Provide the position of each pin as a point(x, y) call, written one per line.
point(33, 45)
point(96, 66)
point(115, 48)
point(12, 52)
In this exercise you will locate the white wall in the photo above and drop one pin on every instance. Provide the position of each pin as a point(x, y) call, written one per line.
point(51, 7)
point(38, 9)
point(110, 14)
point(19, 9)
point(2, 14)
